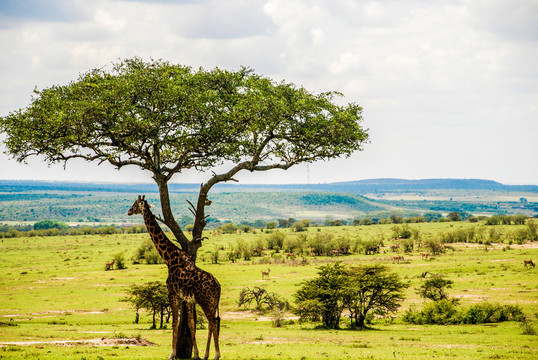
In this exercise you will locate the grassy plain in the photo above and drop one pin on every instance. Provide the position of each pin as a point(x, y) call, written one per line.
point(55, 289)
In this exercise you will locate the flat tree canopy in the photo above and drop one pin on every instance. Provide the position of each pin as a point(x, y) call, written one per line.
point(167, 118)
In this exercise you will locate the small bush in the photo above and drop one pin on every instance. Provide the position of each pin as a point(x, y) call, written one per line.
point(120, 262)
point(435, 313)
point(264, 300)
point(486, 312)
point(526, 327)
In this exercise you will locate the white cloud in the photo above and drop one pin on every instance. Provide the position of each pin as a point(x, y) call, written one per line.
point(440, 81)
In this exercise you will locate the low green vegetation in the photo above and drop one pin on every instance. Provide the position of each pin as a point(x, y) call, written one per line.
point(55, 291)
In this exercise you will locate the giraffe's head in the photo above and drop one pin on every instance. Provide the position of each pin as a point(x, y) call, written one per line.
point(138, 206)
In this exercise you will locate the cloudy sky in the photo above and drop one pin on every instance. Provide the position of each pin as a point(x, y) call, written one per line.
point(449, 88)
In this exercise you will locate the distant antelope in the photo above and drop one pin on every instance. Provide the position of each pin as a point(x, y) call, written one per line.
point(425, 255)
point(265, 274)
point(394, 247)
point(109, 265)
point(290, 255)
point(335, 252)
point(528, 263)
point(397, 258)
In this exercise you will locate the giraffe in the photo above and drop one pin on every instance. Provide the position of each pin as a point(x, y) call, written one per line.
point(185, 281)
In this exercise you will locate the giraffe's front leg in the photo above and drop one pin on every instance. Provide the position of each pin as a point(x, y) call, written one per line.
point(174, 303)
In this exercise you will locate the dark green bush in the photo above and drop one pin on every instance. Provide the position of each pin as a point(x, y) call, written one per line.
point(441, 312)
point(446, 312)
point(486, 312)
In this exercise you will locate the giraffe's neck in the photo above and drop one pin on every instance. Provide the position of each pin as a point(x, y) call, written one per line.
point(164, 246)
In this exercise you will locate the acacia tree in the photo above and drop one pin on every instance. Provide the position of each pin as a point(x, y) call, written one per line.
point(435, 288)
point(166, 118)
point(152, 296)
point(324, 297)
point(361, 289)
point(372, 288)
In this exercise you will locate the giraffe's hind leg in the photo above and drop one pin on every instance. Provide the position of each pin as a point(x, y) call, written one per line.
point(192, 328)
point(211, 332)
point(214, 324)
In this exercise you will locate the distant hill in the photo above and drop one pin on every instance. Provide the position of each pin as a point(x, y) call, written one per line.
point(388, 184)
point(102, 202)
point(356, 187)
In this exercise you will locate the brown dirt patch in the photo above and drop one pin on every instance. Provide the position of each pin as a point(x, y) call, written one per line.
point(88, 342)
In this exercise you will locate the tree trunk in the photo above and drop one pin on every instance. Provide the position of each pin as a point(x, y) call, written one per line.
point(360, 320)
point(169, 220)
point(184, 341)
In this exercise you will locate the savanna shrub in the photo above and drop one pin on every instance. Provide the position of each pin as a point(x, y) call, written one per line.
point(486, 312)
point(445, 312)
point(120, 261)
point(441, 312)
point(147, 253)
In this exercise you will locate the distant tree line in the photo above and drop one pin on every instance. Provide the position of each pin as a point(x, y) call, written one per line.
point(56, 228)
point(51, 228)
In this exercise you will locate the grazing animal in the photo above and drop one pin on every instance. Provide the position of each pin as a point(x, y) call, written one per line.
point(372, 249)
point(290, 255)
point(425, 255)
point(394, 247)
point(397, 258)
point(109, 265)
point(528, 263)
point(335, 252)
point(265, 274)
point(185, 282)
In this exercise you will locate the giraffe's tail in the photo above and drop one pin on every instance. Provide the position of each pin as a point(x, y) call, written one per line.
point(218, 323)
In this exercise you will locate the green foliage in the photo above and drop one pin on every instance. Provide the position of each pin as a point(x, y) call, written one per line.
point(147, 253)
point(445, 312)
point(486, 312)
point(244, 248)
point(369, 247)
point(263, 299)
point(319, 243)
point(215, 255)
point(454, 216)
point(434, 288)
point(120, 261)
point(361, 289)
point(152, 296)
point(228, 228)
point(402, 232)
point(434, 246)
point(323, 297)
point(372, 288)
point(301, 225)
point(526, 326)
point(275, 240)
point(407, 245)
point(532, 229)
point(441, 312)
point(48, 224)
point(139, 113)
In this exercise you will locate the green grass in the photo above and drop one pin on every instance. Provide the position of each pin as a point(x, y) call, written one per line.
point(55, 288)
